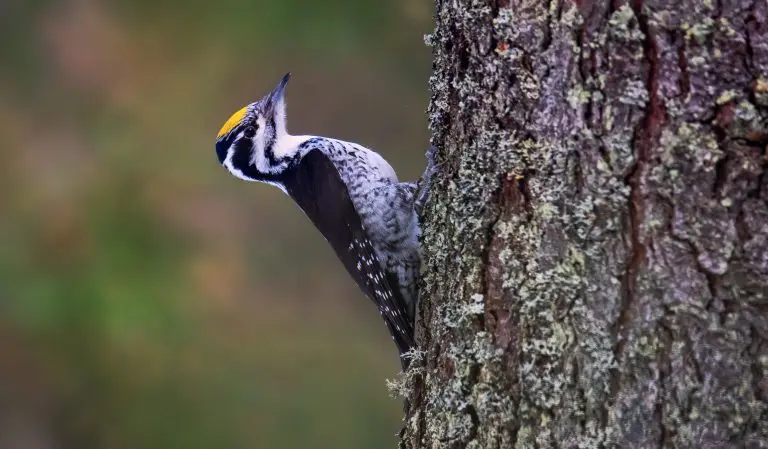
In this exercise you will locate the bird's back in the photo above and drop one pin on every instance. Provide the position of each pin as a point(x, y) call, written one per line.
point(362, 169)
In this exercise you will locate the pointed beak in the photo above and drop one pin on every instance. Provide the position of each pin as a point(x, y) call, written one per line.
point(277, 93)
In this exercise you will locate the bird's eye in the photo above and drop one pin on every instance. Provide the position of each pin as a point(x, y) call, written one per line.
point(249, 132)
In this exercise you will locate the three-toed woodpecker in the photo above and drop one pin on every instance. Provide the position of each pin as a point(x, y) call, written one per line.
point(350, 193)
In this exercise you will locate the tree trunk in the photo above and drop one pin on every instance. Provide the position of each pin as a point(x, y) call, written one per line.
point(596, 242)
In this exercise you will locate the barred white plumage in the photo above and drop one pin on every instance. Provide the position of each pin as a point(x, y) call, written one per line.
point(350, 193)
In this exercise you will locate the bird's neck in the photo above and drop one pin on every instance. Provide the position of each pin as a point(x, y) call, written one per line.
point(285, 145)
point(274, 157)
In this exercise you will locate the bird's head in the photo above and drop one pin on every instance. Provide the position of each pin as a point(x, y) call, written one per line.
point(245, 143)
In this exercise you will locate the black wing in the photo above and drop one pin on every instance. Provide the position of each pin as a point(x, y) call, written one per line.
point(315, 185)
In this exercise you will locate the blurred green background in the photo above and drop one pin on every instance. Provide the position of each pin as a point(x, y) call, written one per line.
point(148, 299)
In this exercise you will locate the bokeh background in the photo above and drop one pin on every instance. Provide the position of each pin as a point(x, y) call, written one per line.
point(147, 298)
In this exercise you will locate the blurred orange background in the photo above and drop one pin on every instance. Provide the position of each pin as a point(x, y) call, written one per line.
point(148, 299)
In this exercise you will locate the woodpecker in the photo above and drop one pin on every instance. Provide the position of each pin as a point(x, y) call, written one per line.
point(349, 192)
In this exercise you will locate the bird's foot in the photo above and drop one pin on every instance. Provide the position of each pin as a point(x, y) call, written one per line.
point(424, 185)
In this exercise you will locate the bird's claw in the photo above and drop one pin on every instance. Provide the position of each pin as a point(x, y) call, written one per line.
point(425, 182)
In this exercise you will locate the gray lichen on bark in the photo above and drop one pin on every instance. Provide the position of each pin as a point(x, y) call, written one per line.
point(596, 243)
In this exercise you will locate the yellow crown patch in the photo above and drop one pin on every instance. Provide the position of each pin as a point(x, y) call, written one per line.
point(232, 122)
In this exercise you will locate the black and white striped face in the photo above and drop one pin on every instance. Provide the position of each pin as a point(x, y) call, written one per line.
point(245, 144)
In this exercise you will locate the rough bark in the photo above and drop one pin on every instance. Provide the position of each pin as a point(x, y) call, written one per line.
point(596, 242)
